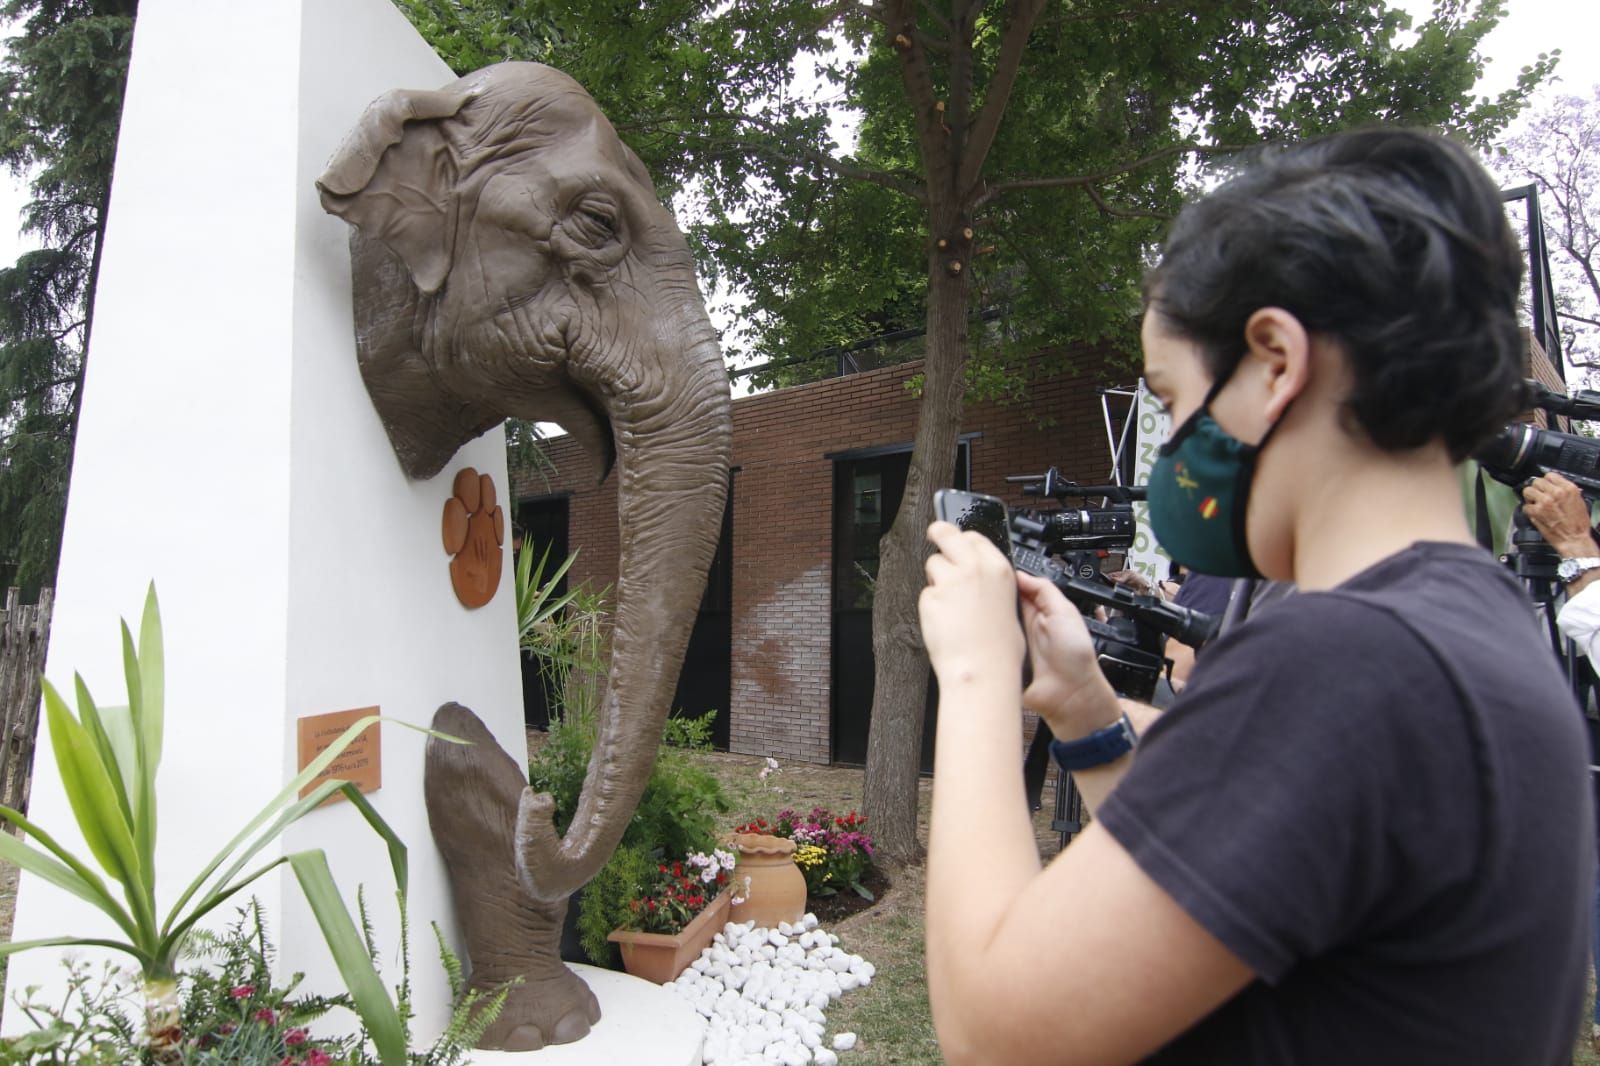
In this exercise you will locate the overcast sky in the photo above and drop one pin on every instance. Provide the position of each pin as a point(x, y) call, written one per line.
point(1530, 27)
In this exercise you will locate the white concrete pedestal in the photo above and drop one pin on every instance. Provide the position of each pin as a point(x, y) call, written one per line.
point(641, 1024)
point(229, 451)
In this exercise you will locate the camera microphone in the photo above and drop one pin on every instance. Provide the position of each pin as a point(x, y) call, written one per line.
point(1181, 623)
point(1582, 404)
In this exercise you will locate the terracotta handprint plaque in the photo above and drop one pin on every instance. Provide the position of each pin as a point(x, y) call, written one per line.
point(474, 530)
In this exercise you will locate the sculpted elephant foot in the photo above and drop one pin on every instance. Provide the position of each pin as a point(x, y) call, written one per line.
point(554, 1009)
point(473, 791)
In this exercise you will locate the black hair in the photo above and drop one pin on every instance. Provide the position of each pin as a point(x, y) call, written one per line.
point(1392, 242)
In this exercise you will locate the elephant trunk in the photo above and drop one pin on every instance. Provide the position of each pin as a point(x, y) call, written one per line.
point(672, 465)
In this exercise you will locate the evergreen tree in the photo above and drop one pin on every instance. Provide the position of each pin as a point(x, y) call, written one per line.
point(60, 103)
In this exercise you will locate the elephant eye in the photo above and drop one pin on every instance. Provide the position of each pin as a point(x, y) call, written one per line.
point(593, 222)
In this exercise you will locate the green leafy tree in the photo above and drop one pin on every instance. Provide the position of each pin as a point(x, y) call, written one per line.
point(60, 103)
point(1014, 154)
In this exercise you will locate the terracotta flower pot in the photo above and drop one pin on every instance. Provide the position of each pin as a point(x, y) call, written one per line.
point(773, 887)
point(660, 957)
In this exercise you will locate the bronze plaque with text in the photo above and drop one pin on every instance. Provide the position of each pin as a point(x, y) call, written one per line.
point(360, 763)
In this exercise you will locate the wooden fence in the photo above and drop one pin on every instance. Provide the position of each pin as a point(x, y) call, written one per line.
point(24, 633)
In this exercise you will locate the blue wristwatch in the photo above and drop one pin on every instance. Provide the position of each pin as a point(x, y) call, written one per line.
point(1098, 748)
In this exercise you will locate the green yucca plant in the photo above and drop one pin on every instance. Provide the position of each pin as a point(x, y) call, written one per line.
point(107, 758)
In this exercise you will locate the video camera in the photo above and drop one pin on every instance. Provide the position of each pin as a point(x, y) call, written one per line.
point(1521, 452)
point(1110, 527)
point(1516, 455)
point(1129, 646)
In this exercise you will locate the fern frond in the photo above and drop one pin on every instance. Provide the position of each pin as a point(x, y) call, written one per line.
point(451, 963)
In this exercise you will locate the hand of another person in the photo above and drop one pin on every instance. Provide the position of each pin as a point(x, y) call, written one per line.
point(1068, 690)
point(969, 607)
point(1559, 512)
point(1129, 579)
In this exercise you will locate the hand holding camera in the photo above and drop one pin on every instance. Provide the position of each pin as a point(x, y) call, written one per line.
point(1068, 690)
point(969, 607)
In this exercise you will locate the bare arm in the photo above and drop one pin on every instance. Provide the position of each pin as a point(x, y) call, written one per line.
point(1559, 512)
point(1009, 943)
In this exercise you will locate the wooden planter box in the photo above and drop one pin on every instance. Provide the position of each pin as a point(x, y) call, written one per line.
point(660, 957)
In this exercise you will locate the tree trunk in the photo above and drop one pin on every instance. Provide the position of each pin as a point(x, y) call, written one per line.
point(900, 675)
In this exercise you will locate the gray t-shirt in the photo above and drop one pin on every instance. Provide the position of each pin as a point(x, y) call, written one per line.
point(1377, 798)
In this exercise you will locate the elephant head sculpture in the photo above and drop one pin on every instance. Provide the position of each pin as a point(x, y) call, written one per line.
point(510, 258)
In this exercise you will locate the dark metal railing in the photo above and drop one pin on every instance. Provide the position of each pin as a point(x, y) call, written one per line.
point(1542, 291)
point(852, 358)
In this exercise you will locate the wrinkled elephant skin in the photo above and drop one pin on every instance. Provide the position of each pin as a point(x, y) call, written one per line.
point(510, 259)
point(473, 792)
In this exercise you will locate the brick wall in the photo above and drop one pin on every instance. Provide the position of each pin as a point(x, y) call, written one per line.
point(782, 516)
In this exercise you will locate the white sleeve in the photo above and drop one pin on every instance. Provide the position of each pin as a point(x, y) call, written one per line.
point(1580, 620)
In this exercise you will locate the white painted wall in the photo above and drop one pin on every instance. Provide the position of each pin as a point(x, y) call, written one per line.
point(229, 451)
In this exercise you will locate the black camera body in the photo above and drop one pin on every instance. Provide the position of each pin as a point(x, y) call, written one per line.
point(1108, 528)
point(1521, 452)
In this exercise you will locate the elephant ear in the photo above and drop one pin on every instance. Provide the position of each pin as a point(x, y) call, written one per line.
point(394, 179)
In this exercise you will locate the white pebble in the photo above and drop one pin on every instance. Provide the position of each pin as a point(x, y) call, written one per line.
point(763, 993)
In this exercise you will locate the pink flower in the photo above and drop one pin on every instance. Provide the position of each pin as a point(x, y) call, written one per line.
point(265, 1014)
point(242, 991)
point(294, 1037)
point(318, 1058)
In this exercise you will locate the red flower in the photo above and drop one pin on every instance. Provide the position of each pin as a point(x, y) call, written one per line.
point(225, 1028)
point(650, 904)
point(319, 1058)
point(242, 991)
point(294, 1037)
point(265, 1014)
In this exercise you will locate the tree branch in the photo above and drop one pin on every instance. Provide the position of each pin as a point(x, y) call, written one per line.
point(903, 184)
point(1127, 12)
point(1020, 18)
point(1104, 175)
point(788, 153)
point(935, 14)
point(918, 83)
point(1577, 318)
point(1122, 212)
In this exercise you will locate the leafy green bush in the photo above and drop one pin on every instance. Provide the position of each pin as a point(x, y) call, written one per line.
point(232, 1012)
point(108, 758)
point(605, 900)
point(679, 814)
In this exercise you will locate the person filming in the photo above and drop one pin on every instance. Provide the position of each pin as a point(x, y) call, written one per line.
point(1362, 833)
point(1560, 513)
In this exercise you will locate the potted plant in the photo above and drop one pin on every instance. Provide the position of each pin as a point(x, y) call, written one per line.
point(675, 914)
point(108, 759)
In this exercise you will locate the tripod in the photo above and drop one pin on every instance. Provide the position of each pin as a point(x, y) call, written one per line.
point(1534, 563)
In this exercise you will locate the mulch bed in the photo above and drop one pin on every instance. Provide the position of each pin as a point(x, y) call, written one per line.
point(842, 904)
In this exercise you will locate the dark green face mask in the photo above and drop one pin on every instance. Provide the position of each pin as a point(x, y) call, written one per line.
point(1198, 492)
